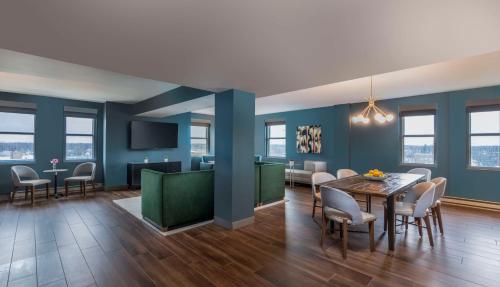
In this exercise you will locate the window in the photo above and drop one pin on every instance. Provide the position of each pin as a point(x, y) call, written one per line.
point(484, 137)
point(17, 136)
point(276, 139)
point(200, 138)
point(79, 138)
point(418, 138)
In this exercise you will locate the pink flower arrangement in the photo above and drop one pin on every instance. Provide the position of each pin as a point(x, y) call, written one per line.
point(54, 161)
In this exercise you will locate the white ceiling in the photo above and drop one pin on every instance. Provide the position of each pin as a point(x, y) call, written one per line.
point(472, 72)
point(261, 46)
point(28, 74)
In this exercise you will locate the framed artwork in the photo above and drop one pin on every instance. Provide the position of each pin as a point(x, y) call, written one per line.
point(309, 139)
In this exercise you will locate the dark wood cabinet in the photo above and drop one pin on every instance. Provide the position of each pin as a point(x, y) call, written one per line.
point(134, 170)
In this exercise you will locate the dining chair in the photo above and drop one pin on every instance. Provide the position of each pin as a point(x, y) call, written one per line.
point(345, 172)
point(339, 206)
point(24, 176)
point(419, 210)
point(83, 173)
point(318, 178)
point(420, 170)
point(436, 203)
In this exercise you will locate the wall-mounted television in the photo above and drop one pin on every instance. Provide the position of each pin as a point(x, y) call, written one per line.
point(153, 135)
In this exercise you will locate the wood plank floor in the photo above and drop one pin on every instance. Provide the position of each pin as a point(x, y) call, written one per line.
point(92, 242)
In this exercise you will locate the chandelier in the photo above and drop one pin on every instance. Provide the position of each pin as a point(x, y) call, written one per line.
point(379, 115)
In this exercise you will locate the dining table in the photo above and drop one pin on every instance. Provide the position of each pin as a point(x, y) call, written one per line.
point(389, 188)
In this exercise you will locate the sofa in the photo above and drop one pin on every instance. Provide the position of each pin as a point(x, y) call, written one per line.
point(171, 200)
point(304, 175)
point(269, 182)
point(208, 161)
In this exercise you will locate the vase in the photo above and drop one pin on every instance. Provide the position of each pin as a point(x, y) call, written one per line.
point(53, 166)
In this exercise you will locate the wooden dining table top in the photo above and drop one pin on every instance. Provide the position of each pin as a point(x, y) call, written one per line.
point(395, 183)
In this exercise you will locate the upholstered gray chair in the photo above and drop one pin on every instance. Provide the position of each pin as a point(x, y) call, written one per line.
point(436, 204)
point(84, 173)
point(24, 176)
point(425, 171)
point(418, 210)
point(345, 172)
point(319, 178)
point(343, 208)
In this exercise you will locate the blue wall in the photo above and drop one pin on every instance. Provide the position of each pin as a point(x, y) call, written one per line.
point(378, 146)
point(49, 136)
point(117, 152)
point(334, 126)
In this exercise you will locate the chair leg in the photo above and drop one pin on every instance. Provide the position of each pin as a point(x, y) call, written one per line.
point(66, 187)
point(344, 238)
point(47, 191)
point(13, 194)
point(419, 224)
point(32, 195)
point(439, 218)
point(433, 212)
point(81, 187)
point(385, 218)
point(429, 229)
point(371, 226)
point(93, 187)
point(26, 190)
point(324, 223)
point(84, 191)
point(314, 208)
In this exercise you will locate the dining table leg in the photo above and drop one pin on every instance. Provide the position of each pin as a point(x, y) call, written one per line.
point(55, 186)
point(391, 224)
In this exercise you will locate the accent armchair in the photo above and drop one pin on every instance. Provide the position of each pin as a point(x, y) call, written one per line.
point(84, 173)
point(23, 176)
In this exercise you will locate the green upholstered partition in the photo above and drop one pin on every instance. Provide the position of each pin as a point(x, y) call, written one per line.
point(271, 182)
point(257, 185)
point(152, 196)
point(172, 200)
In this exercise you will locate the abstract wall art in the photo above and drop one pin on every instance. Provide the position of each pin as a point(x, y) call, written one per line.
point(309, 139)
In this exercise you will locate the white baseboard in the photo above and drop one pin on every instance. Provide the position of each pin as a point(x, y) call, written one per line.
point(269, 205)
point(471, 203)
point(235, 224)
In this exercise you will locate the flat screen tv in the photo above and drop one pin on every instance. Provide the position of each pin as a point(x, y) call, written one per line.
point(152, 135)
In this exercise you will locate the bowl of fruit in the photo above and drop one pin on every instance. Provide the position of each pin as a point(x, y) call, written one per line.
point(375, 174)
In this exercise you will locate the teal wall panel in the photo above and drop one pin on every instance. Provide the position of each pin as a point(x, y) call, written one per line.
point(118, 154)
point(334, 127)
point(363, 147)
point(49, 137)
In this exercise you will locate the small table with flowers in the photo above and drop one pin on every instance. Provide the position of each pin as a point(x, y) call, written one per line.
point(55, 171)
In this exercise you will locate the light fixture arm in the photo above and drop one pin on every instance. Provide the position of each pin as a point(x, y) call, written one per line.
point(380, 115)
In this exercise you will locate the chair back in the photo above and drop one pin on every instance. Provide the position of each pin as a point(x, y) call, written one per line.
point(319, 178)
point(335, 198)
point(424, 171)
point(345, 172)
point(85, 169)
point(426, 198)
point(22, 172)
point(440, 188)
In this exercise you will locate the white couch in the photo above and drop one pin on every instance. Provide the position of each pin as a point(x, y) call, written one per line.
point(304, 175)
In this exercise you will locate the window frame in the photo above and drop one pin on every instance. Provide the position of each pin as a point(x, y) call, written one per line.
point(207, 138)
point(402, 136)
point(24, 161)
point(268, 138)
point(469, 111)
point(94, 129)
